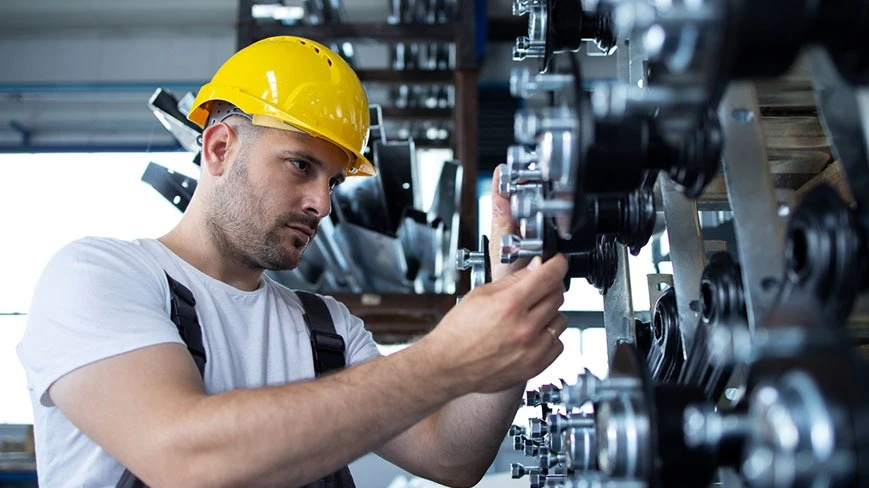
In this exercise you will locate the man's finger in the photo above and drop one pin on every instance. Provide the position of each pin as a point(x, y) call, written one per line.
point(532, 286)
point(546, 310)
point(556, 326)
point(502, 218)
point(512, 279)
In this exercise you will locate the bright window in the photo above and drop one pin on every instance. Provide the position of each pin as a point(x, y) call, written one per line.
point(49, 200)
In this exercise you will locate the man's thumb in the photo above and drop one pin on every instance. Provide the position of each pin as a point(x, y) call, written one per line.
point(502, 217)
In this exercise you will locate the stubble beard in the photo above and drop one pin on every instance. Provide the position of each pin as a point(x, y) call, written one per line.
point(233, 222)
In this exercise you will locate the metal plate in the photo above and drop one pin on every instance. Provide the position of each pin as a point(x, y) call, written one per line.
point(686, 254)
point(395, 167)
point(618, 307)
point(445, 206)
point(422, 242)
point(380, 258)
point(760, 237)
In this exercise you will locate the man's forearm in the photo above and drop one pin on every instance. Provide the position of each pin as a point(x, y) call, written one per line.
point(471, 428)
point(269, 435)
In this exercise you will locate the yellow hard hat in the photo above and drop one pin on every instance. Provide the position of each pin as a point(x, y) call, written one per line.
point(294, 83)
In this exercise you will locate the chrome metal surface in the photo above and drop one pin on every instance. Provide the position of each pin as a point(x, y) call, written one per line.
point(760, 234)
point(380, 257)
point(526, 83)
point(514, 247)
point(657, 284)
point(798, 438)
point(686, 253)
point(476, 262)
point(624, 437)
point(618, 306)
point(445, 206)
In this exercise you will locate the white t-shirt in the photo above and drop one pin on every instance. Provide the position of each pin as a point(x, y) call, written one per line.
point(101, 297)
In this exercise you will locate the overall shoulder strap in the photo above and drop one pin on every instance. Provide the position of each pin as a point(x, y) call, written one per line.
point(183, 315)
point(327, 346)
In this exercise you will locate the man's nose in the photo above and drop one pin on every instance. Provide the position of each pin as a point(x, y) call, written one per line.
point(318, 199)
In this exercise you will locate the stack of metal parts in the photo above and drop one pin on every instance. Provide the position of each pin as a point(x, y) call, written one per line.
point(424, 56)
point(747, 374)
point(378, 238)
point(307, 12)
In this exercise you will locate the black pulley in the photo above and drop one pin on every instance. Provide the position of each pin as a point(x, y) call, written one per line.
point(721, 294)
point(598, 266)
point(665, 358)
point(825, 252)
point(722, 305)
point(699, 157)
point(567, 25)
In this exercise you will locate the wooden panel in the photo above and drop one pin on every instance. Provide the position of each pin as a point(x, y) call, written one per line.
point(797, 149)
point(395, 319)
point(832, 175)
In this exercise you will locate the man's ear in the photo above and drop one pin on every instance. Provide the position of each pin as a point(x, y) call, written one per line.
point(215, 147)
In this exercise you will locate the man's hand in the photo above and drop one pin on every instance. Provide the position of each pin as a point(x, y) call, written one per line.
point(502, 225)
point(505, 332)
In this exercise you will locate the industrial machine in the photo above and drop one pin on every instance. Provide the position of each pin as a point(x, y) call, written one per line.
point(748, 373)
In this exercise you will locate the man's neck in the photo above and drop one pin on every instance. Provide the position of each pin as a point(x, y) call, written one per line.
point(193, 244)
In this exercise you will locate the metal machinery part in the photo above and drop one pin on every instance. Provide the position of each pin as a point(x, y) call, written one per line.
point(556, 26)
point(802, 425)
point(746, 375)
point(631, 439)
point(826, 252)
point(722, 307)
point(477, 262)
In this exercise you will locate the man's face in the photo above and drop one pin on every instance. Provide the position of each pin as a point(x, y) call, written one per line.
point(265, 210)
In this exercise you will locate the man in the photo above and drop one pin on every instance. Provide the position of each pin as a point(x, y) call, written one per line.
point(113, 385)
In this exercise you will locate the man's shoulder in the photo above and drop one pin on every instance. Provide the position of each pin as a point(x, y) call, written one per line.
point(102, 246)
point(95, 254)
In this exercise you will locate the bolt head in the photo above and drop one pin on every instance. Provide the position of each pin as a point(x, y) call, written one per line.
point(532, 398)
point(519, 80)
point(510, 252)
point(537, 428)
point(520, 7)
point(505, 186)
point(518, 443)
point(517, 471)
point(521, 48)
point(463, 259)
point(526, 125)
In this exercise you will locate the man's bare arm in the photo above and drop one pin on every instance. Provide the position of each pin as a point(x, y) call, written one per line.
point(147, 408)
point(462, 438)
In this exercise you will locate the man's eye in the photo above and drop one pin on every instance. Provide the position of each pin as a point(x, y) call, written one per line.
point(301, 164)
point(333, 183)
